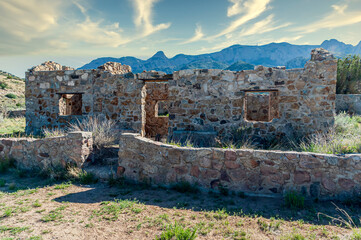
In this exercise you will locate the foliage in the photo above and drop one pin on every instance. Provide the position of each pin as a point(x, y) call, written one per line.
point(348, 75)
point(53, 132)
point(3, 85)
point(294, 200)
point(178, 232)
point(110, 210)
point(11, 95)
point(5, 164)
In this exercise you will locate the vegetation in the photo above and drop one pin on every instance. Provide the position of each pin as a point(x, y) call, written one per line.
point(178, 232)
point(184, 187)
point(101, 128)
point(3, 85)
point(344, 137)
point(294, 200)
point(349, 75)
point(11, 126)
point(11, 95)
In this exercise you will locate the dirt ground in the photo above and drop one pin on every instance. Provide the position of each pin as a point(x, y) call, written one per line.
point(36, 208)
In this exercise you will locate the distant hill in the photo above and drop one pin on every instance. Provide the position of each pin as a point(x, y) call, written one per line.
point(240, 65)
point(12, 91)
point(273, 54)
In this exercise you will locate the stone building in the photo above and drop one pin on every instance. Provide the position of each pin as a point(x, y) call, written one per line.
point(203, 103)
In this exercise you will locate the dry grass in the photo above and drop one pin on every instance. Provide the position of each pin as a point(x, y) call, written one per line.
point(99, 211)
point(13, 86)
point(12, 125)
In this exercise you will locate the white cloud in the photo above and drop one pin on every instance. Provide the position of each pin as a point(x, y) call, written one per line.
point(339, 17)
point(97, 34)
point(198, 35)
point(263, 26)
point(26, 19)
point(287, 39)
point(250, 9)
point(143, 17)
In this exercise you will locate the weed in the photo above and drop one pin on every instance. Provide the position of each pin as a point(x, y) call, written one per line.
point(110, 210)
point(178, 232)
point(344, 219)
point(220, 214)
point(54, 215)
point(294, 200)
point(36, 204)
point(13, 230)
point(356, 235)
point(63, 185)
point(184, 187)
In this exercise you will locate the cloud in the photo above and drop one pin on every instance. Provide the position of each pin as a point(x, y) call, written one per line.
point(26, 19)
point(339, 17)
point(287, 39)
point(97, 34)
point(250, 9)
point(143, 17)
point(263, 26)
point(198, 35)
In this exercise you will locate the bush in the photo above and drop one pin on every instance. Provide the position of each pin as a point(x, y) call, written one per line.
point(5, 164)
point(348, 75)
point(184, 187)
point(101, 128)
point(178, 232)
point(3, 85)
point(11, 95)
point(294, 200)
point(86, 178)
point(345, 137)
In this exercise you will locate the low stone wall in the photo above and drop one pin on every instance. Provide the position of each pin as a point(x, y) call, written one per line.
point(251, 171)
point(350, 103)
point(31, 153)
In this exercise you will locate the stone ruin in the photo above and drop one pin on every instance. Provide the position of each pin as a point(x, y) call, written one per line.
point(197, 103)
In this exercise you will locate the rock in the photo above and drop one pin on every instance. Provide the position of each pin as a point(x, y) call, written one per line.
point(115, 68)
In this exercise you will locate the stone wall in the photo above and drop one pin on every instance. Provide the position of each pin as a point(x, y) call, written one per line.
point(250, 171)
point(303, 100)
point(115, 96)
point(31, 153)
point(350, 103)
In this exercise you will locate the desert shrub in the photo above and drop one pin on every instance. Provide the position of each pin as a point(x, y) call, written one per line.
point(9, 76)
point(239, 138)
point(2, 183)
point(184, 187)
point(101, 128)
point(294, 200)
point(11, 95)
point(53, 132)
point(344, 137)
point(86, 177)
point(348, 75)
point(177, 232)
point(3, 85)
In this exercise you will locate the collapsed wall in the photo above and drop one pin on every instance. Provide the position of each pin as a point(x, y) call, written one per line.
point(268, 100)
point(250, 171)
point(46, 153)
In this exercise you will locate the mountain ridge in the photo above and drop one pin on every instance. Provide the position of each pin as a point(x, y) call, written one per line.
point(269, 55)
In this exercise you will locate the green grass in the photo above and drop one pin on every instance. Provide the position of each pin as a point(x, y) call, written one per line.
point(178, 232)
point(3, 85)
point(343, 138)
point(12, 125)
point(63, 185)
point(13, 230)
point(294, 200)
point(86, 178)
point(110, 210)
point(54, 215)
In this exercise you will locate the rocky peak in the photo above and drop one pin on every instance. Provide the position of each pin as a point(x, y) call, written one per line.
point(159, 55)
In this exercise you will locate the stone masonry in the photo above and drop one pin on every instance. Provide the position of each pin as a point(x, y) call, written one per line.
point(270, 101)
point(300, 100)
point(251, 171)
point(31, 153)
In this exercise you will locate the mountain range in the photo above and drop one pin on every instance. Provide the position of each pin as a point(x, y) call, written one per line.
point(235, 58)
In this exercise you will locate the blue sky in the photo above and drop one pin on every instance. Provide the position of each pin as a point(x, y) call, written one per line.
point(73, 32)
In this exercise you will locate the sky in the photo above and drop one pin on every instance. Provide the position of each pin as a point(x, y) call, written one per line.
point(73, 32)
